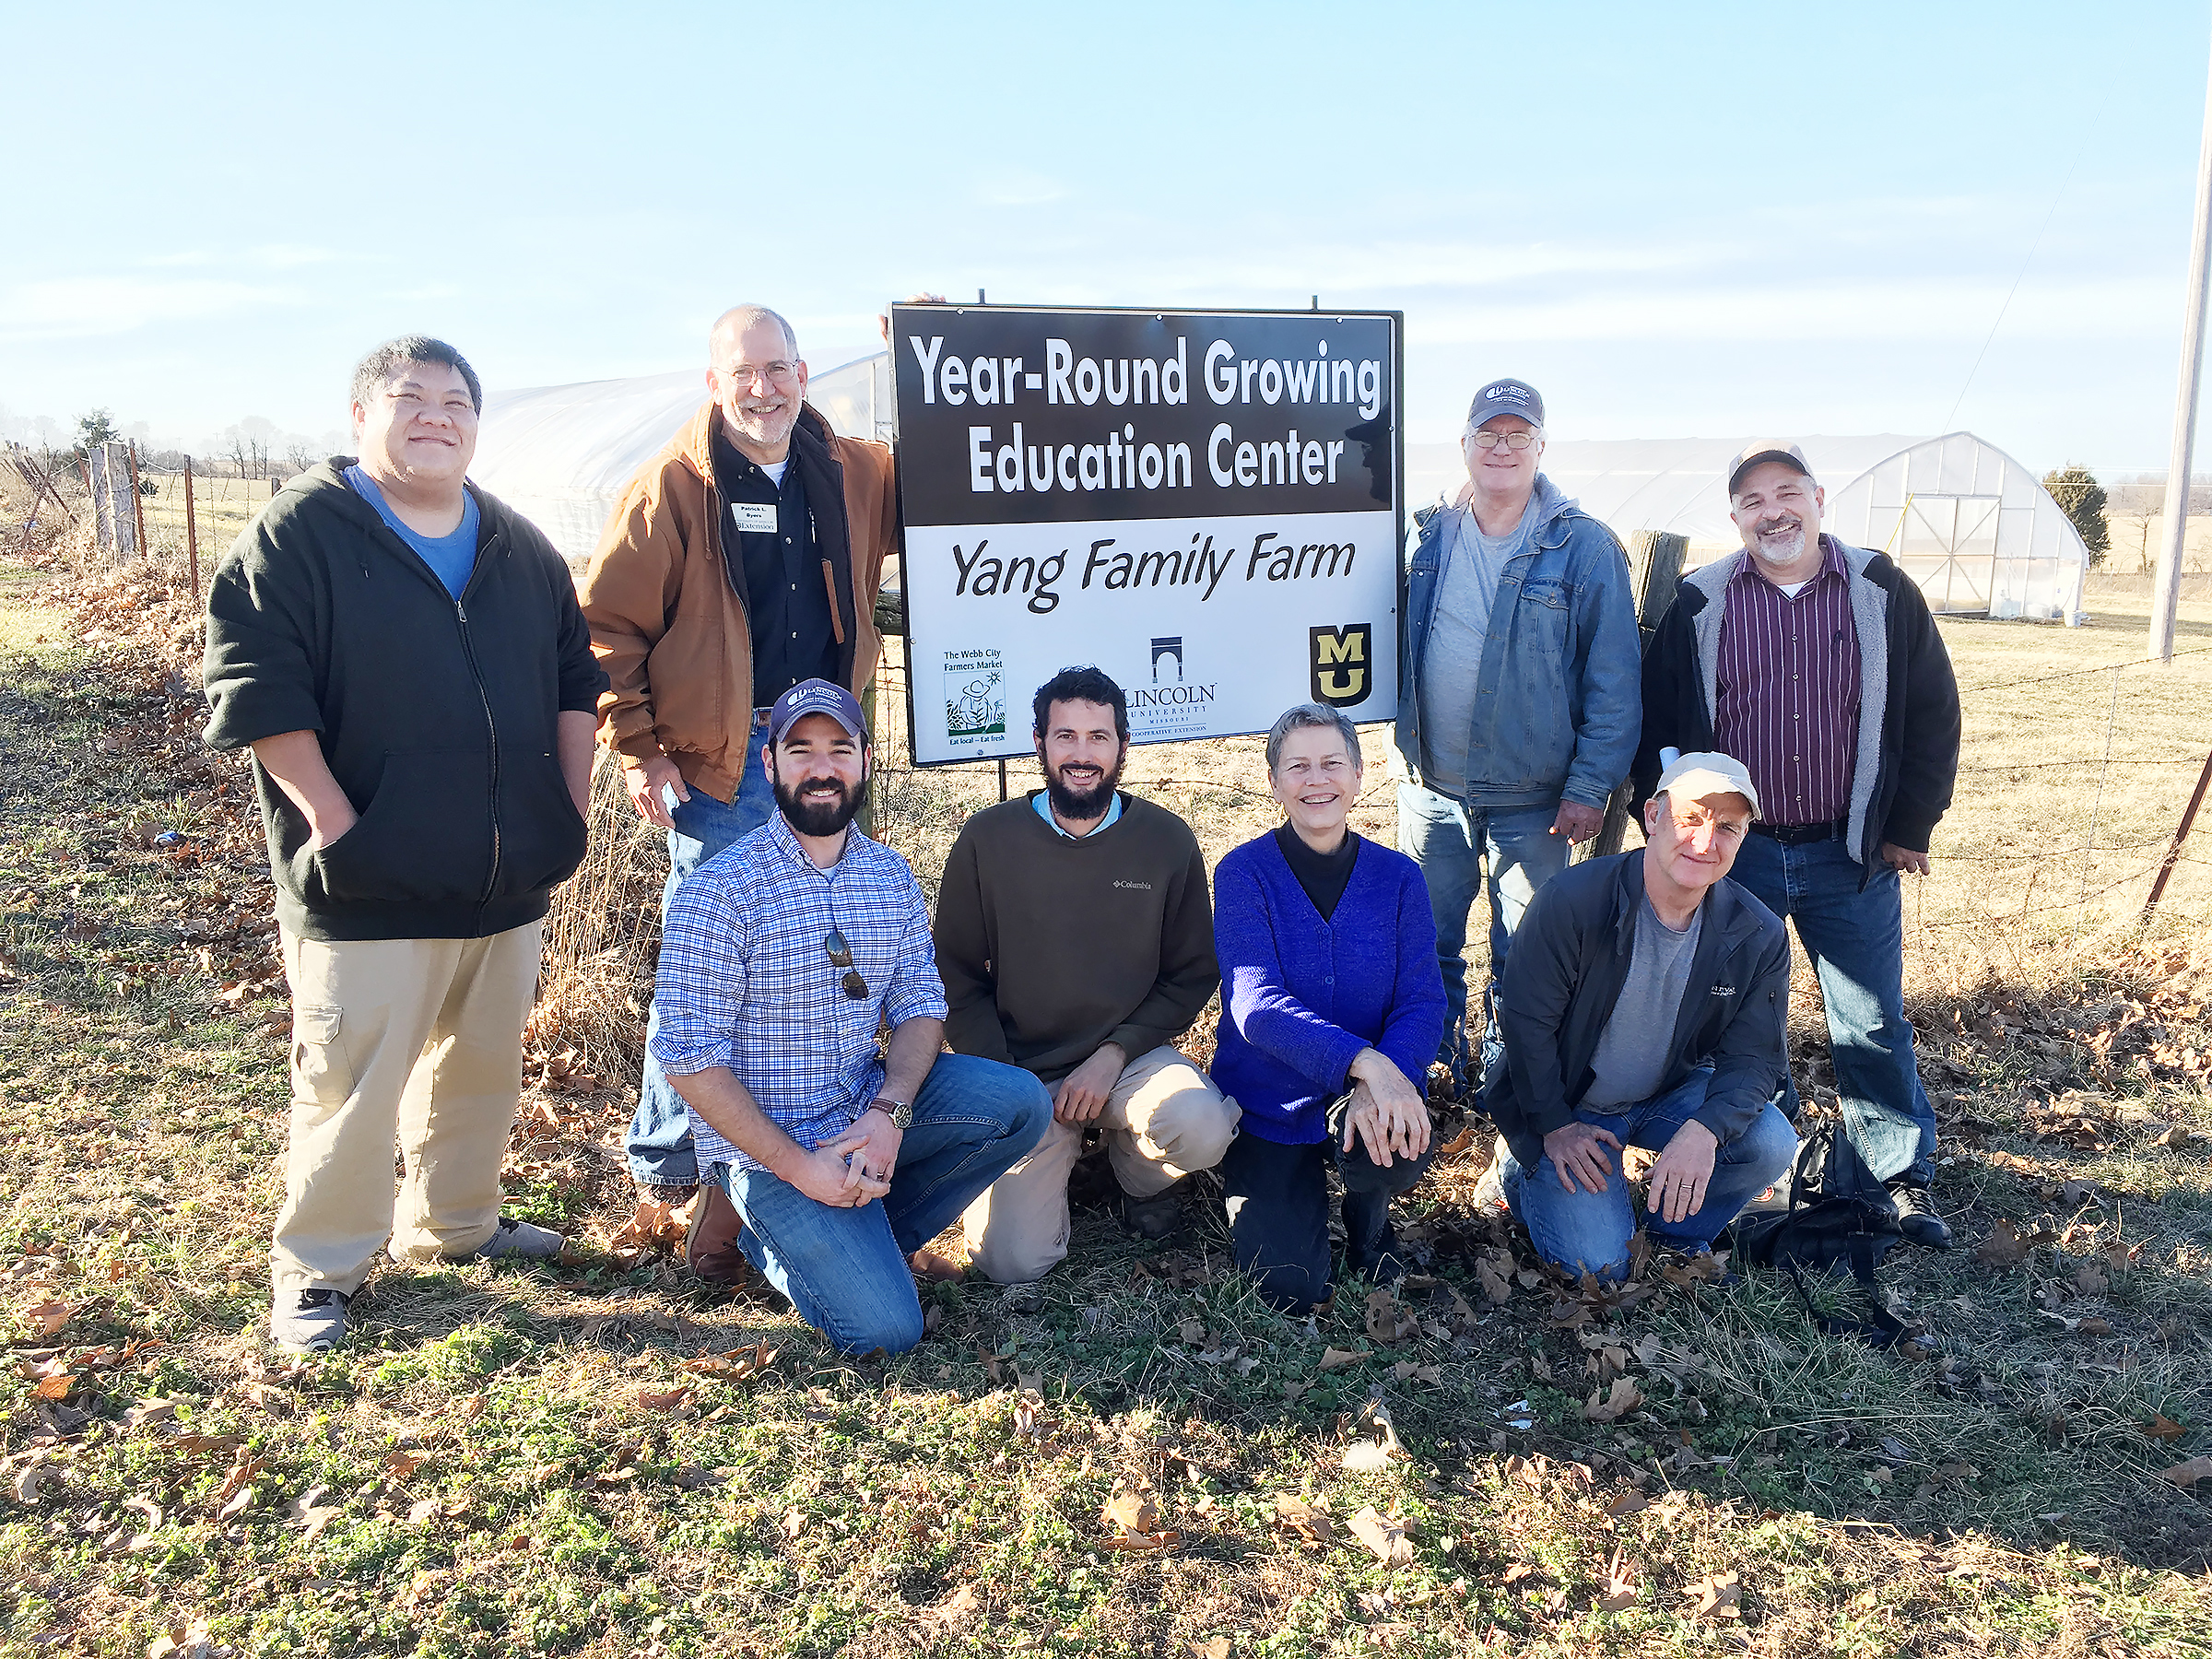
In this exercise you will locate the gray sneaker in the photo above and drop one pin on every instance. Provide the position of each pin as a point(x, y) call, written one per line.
point(307, 1322)
point(518, 1241)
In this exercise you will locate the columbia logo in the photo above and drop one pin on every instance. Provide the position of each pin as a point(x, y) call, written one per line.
point(1723, 991)
point(1142, 887)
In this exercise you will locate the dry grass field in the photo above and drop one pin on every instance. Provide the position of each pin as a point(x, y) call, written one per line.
point(601, 1457)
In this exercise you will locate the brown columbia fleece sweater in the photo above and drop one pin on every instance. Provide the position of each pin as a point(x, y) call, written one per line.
point(1050, 946)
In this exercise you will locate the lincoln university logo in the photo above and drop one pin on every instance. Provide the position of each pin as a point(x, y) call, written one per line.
point(1343, 661)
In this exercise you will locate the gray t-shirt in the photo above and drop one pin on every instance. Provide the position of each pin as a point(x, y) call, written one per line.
point(1631, 1061)
point(1467, 589)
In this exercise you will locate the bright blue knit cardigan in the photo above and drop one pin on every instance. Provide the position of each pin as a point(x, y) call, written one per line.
point(1300, 997)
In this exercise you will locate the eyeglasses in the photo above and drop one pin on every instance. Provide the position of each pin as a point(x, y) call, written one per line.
point(776, 373)
point(841, 956)
point(1513, 441)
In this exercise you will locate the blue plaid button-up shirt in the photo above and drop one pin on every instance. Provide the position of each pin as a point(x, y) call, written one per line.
point(746, 979)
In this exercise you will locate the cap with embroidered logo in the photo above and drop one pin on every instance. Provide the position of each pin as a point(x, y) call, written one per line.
point(1506, 397)
point(816, 697)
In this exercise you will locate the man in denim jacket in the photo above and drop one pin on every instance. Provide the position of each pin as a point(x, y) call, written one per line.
point(1518, 702)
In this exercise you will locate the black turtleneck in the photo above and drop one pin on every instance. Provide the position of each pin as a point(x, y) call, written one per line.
point(1322, 875)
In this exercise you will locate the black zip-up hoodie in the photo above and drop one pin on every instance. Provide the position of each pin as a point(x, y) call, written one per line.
point(438, 716)
point(1565, 972)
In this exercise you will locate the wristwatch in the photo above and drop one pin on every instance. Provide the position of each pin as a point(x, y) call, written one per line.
point(900, 1112)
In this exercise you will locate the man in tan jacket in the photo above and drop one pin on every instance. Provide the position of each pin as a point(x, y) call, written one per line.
point(743, 558)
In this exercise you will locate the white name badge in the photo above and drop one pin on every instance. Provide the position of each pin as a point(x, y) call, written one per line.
point(754, 516)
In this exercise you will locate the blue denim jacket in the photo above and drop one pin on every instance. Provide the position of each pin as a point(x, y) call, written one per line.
point(1559, 704)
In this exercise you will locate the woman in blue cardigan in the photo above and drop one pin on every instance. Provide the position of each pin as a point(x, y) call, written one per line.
point(1331, 1009)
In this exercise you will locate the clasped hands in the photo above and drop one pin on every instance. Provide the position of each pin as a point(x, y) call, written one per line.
point(1390, 1115)
point(1578, 1154)
point(854, 1169)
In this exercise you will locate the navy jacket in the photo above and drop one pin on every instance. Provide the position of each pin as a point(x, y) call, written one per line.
point(1569, 962)
point(1300, 997)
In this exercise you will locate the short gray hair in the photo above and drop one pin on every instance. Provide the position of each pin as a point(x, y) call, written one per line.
point(739, 318)
point(374, 371)
point(1318, 716)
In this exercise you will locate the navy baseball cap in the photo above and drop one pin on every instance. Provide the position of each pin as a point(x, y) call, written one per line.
point(816, 697)
point(1506, 397)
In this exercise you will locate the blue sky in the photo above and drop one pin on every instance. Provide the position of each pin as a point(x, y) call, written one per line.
point(1674, 221)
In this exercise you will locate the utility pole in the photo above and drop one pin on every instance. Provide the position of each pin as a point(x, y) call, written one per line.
point(2166, 591)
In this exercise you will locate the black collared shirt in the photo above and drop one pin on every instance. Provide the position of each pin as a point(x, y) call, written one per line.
point(778, 571)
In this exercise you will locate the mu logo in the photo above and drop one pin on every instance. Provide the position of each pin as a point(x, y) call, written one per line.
point(1342, 660)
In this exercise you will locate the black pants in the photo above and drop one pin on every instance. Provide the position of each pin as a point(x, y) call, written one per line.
point(1278, 1210)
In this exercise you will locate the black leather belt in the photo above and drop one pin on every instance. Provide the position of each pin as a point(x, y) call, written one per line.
point(1799, 835)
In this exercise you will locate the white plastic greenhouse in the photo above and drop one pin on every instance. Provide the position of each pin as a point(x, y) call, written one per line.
point(1973, 526)
point(559, 455)
point(1976, 529)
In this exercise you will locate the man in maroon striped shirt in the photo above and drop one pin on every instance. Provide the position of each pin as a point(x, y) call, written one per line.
point(1818, 667)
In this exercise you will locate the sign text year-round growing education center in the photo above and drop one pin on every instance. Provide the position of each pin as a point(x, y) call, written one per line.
point(1206, 504)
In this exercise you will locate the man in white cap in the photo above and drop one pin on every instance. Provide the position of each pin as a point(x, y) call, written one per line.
point(1642, 1006)
point(1517, 697)
point(1820, 668)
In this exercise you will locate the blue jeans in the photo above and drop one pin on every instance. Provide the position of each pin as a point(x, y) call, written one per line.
point(659, 1142)
point(1452, 844)
point(845, 1270)
point(1590, 1231)
point(1856, 941)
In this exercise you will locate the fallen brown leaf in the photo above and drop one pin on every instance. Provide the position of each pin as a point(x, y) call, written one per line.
point(1386, 1537)
point(47, 1317)
point(1620, 1590)
point(1130, 1512)
point(1315, 1526)
point(399, 1464)
point(1626, 1397)
point(1333, 1358)
point(2003, 1248)
point(2163, 1427)
point(1215, 1647)
point(671, 1401)
point(1716, 1594)
point(2190, 1473)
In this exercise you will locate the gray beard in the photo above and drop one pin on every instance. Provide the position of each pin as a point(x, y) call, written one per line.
point(1768, 551)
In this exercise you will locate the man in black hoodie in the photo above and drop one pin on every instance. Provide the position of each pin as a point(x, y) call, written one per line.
point(407, 660)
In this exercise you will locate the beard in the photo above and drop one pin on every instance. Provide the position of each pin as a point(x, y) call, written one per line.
point(819, 818)
point(1782, 544)
point(1080, 806)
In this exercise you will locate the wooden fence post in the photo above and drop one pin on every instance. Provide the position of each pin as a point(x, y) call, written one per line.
point(2173, 849)
point(1654, 572)
point(109, 472)
point(137, 498)
point(191, 530)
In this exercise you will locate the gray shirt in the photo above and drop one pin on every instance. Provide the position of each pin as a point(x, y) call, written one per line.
point(1631, 1061)
point(1467, 589)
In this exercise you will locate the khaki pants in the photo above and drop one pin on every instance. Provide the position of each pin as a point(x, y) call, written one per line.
point(417, 1040)
point(1163, 1118)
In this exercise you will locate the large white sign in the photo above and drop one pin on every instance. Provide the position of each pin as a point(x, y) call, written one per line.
point(1205, 505)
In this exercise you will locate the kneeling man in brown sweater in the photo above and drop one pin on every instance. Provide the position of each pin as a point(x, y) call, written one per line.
point(1075, 938)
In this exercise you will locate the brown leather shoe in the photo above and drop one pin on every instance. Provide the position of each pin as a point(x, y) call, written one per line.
point(710, 1241)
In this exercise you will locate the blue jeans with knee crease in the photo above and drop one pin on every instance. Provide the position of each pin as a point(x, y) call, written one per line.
point(1589, 1232)
point(659, 1142)
point(845, 1270)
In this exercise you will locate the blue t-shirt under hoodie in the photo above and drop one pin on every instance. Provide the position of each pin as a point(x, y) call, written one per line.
point(453, 557)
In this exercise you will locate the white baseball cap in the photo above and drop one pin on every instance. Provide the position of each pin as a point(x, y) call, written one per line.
point(1694, 777)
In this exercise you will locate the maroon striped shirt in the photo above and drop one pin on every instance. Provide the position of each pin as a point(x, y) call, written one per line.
point(1787, 700)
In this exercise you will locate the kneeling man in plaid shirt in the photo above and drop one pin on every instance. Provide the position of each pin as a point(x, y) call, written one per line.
point(781, 959)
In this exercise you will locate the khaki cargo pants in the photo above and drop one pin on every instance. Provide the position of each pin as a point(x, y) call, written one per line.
point(414, 1040)
point(1162, 1120)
